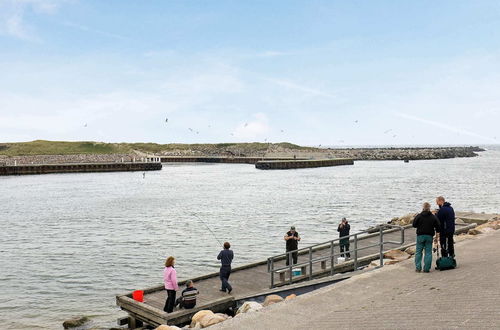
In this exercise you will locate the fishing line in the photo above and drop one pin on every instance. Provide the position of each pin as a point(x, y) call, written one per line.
point(210, 230)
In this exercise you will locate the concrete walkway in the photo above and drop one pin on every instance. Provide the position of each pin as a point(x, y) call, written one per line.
point(396, 297)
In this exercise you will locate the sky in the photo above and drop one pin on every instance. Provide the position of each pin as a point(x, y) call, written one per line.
point(334, 73)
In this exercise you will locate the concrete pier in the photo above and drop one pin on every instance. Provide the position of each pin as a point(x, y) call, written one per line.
point(78, 168)
point(222, 160)
point(291, 164)
point(254, 280)
point(396, 297)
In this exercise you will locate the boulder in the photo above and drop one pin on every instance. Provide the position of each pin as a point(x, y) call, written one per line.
point(474, 231)
point(376, 263)
point(249, 306)
point(75, 322)
point(211, 319)
point(167, 327)
point(290, 297)
point(272, 299)
point(225, 316)
point(404, 220)
point(397, 255)
point(488, 226)
point(458, 220)
point(199, 315)
point(411, 250)
point(460, 238)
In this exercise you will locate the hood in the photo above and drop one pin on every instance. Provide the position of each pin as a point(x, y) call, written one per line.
point(446, 204)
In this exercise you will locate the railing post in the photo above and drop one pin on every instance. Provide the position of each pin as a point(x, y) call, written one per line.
point(271, 265)
point(332, 260)
point(355, 251)
point(381, 246)
point(310, 264)
point(290, 266)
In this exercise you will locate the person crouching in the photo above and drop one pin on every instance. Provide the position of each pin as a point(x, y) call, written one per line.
point(187, 299)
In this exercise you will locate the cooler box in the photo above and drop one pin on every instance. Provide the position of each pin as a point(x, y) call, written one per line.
point(340, 260)
point(296, 272)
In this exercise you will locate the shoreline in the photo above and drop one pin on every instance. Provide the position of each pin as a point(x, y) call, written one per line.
point(272, 150)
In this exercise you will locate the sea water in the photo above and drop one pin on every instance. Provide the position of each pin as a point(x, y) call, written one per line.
point(71, 242)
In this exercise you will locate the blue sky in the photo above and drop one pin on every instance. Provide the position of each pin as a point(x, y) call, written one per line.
point(309, 72)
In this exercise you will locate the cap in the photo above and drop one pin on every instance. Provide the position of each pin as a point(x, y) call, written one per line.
point(292, 228)
point(344, 218)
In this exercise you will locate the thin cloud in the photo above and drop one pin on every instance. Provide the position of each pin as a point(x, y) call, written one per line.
point(443, 126)
point(95, 31)
point(253, 129)
point(306, 89)
point(12, 17)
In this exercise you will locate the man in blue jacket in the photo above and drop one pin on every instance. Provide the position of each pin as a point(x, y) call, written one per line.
point(446, 216)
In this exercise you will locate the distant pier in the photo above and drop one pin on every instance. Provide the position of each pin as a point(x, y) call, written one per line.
point(301, 163)
point(78, 168)
point(222, 160)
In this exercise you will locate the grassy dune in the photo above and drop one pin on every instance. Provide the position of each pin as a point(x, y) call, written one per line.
point(42, 147)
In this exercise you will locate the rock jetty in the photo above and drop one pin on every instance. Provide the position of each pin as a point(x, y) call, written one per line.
point(269, 150)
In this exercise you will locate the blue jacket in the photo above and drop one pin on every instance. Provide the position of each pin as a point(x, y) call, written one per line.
point(446, 216)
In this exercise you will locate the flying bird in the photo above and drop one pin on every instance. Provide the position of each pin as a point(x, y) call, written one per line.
point(166, 120)
point(189, 128)
point(356, 121)
point(385, 132)
point(282, 131)
point(246, 124)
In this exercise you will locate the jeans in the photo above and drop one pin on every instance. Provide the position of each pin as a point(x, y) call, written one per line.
point(294, 257)
point(344, 247)
point(424, 242)
point(225, 272)
point(169, 304)
point(447, 248)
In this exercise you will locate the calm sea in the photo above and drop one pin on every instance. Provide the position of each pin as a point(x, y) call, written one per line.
point(71, 242)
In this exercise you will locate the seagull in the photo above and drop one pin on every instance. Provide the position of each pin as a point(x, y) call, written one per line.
point(282, 131)
point(356, 121)
point(388, 131)
point(189, 128)
point(166, 120)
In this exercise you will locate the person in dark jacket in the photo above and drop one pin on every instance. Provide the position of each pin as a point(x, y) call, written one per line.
point(292, 239)
point(343, 230)
point(426, 224)
point(446, 216)
point(226, 257)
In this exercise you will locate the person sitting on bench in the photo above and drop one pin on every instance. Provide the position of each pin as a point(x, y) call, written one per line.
point(188, 296)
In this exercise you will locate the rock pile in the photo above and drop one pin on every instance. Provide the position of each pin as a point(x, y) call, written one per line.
point(485, 228)
point(206, 318)
point(404, 220)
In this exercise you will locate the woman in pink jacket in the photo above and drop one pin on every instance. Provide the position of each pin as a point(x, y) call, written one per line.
point(170, 279)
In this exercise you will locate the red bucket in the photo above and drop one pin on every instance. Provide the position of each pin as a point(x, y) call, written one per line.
point(138, 295)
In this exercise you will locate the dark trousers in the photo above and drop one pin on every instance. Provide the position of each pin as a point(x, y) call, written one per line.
point(294, 257)
point(446, 241)
point(170, 303)
point(225, 272)
point(182, 304)
point(344, 247)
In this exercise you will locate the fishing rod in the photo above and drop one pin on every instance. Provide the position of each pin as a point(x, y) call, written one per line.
point(210, 230)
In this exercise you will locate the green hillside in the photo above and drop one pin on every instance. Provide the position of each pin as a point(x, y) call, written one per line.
point(42, 147)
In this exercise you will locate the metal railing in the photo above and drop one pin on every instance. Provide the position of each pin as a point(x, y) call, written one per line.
point(332, 254)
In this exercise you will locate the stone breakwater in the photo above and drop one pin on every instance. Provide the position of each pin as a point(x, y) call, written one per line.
point(271, 151)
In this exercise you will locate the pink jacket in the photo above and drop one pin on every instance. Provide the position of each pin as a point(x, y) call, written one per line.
point(170, 278)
